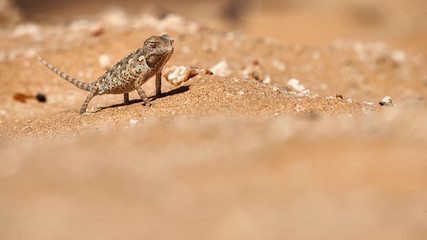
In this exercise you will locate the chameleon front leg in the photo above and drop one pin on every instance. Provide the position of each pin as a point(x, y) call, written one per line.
point(126, 98)
point(137, 85)
point(142, 95)
point(159, 84)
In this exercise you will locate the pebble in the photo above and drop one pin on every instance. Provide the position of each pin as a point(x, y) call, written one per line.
point(133, 122)
point(3, 112)
point(267, 80)
point(254, 70)
point(221, 69)
point(398, 56)
point(97, 29)
point(296, 85)
point(177, 75)
point(41, 97)
point(387, 101)
point(104, 61)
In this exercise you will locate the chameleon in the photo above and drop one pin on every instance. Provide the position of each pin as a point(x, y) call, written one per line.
point(129, 73)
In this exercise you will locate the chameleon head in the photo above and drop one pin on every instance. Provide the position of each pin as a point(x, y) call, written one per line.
point(157, 51)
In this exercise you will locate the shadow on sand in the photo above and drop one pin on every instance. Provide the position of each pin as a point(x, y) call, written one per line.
point(172, 92)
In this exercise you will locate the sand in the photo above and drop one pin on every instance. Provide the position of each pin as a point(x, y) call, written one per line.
point(240, 154)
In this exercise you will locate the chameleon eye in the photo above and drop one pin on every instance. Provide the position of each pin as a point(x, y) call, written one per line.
point(153, 44)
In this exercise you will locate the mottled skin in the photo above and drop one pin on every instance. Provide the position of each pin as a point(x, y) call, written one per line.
point(128, 74)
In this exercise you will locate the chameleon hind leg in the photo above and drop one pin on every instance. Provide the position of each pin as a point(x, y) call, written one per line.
point(89, 97)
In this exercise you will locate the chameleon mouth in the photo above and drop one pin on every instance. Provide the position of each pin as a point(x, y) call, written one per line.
point(169, 41)
point(166, 39)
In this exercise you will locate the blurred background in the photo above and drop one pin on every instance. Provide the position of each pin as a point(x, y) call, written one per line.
point(399, 23)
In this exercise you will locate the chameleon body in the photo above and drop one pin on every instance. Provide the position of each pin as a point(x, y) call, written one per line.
point(129, 73)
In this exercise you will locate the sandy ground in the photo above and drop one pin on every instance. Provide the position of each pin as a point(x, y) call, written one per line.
point(240, 154)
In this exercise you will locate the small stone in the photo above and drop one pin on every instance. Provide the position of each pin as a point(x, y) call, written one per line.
point(179, 74)
point(133, 122)
point(387, 101)
point(3, 112)
point(267, 80)
point(296, 85)
point(276, 89)
point(339, 96)
point(97, 29)
point(305, 92)
point(398, 56)
point(241, 93)
point(221, 69)
point(41, 97)
point(105, 61)
point(254, 70)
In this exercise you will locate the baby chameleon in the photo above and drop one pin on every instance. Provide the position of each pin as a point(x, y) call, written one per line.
point(128, 74)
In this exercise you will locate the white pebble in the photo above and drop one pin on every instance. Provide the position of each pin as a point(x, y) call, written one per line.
point(296, 85)
point(387, 101)
point(104, 61)
point(267, 80)
point(398, 56)
point(180, 74)
point(177, 75)
point(221, 69)
point(241, 93)
point(133, 122)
